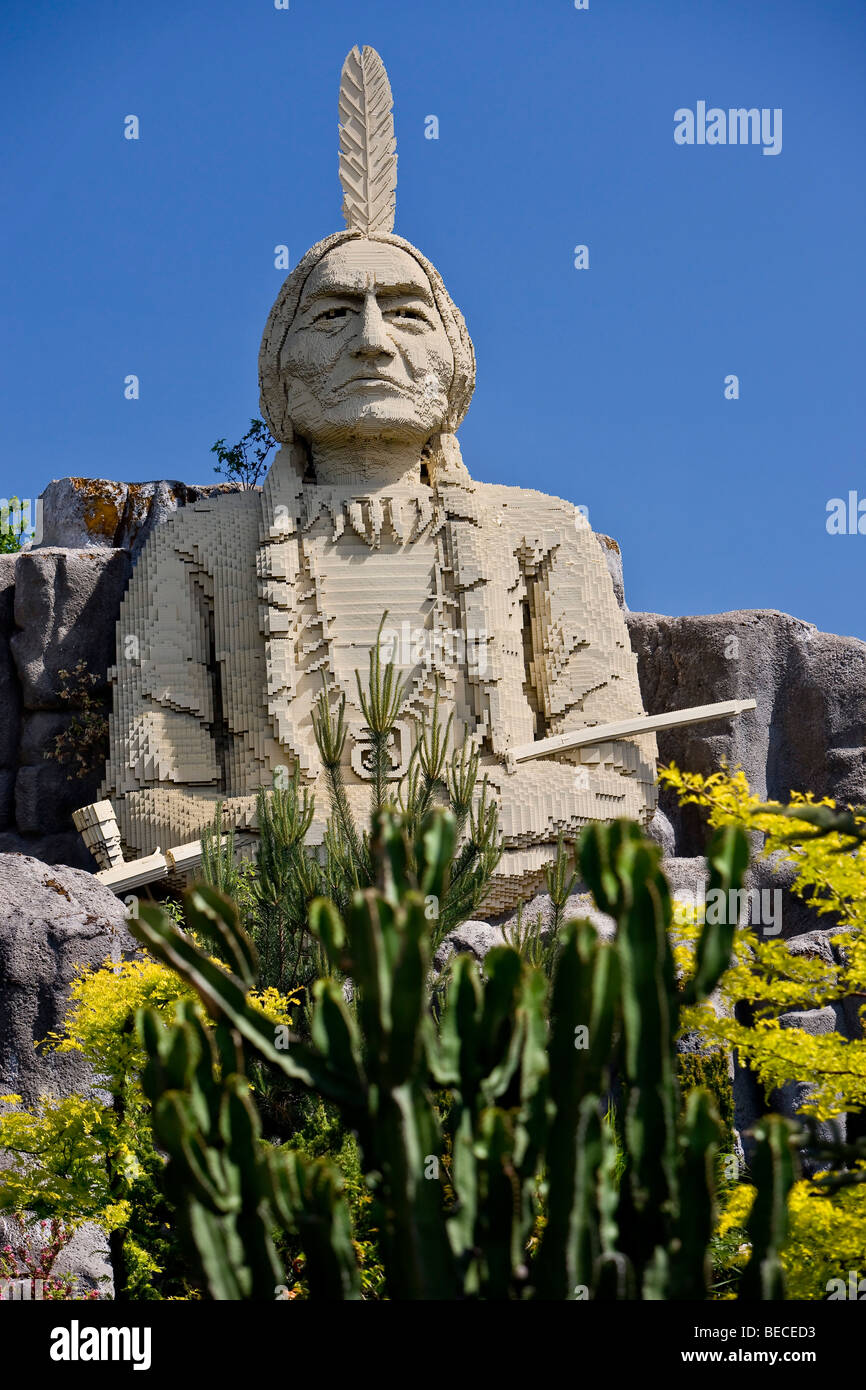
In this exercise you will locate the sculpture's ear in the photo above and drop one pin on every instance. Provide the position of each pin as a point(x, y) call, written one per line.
point(444, 462)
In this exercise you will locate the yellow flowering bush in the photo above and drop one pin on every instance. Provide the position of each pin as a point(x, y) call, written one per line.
point(103, 1004)
point(826, 1236)
point(831, 878)
point(82, 1158)
point(827, 1228)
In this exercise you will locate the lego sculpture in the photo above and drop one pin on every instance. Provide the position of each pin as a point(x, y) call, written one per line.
point(500, 596)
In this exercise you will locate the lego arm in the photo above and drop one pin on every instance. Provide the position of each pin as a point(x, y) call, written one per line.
point(582, 669)
point(164, 771)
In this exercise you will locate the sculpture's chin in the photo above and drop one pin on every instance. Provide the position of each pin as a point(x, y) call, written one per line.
point(372, 423)
point(388, 418)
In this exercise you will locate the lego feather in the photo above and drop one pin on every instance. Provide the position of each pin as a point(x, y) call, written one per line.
point(368, 148)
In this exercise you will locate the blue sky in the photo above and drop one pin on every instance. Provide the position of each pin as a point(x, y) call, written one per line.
point(604, 386)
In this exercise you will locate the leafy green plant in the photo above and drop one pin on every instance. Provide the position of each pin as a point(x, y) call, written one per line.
point(536, 945)
point(246, 461)
point(218, 863)
point(82, 747)
point(709, 1070)
point(824, 1243)
point(13, 528)
point(319, 1134)
point(826, 844)
point(528, 940)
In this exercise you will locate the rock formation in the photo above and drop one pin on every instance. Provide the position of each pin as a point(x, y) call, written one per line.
point(53, 921)
point(808, 732)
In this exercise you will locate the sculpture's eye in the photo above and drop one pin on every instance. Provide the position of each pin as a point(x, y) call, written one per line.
point(330, 315)
point(412, 315)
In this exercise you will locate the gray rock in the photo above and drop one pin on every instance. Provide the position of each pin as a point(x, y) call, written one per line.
point(789, 1099)
point(777, 913)
point(66, 606)
point(613, 560)
point(815, 1022)
point(7, 587)
point(779, 906)
point(472, 938)
point(47, 791)
point(749, 1106)
point(662, 832)
point(818, 944)
point(807, 732)
point(52, 919)
point(84, 513)
point(815, 945)
point(10, 691)
point(7, 797)
point(39, 729)
point(692, 1044)
point(61, 847)
point(686, 876)
point(45, 798)
point(84, 1258)
point(579, 905)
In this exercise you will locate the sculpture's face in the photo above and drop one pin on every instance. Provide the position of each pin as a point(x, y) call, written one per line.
point(367, 356)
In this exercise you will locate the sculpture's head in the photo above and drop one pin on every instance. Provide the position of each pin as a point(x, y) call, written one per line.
point(365, 342)
point(364, 345)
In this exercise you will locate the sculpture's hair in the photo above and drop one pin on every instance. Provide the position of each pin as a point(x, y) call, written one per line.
point(272, 381)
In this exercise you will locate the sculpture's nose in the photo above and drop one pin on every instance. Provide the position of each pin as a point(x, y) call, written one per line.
point(373, 337)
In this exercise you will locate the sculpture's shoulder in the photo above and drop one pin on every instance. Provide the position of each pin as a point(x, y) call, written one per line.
point(523, 500)
point(527, 510)
point(218, 528)
point(538, 526)
point(227, 510)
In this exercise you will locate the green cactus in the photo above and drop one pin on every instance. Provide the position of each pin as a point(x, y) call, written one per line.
point(205, 1120)
point(526, 1070)
point(230, 1189)
point(773, 1176)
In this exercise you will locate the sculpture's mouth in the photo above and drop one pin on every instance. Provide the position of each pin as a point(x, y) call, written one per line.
point(365, 382)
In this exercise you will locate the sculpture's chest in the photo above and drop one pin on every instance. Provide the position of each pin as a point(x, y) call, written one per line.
point(356, 586)
point(452, 592)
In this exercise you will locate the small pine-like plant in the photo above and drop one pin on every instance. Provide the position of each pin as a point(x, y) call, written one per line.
point(274, 897)
point(431, 780)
